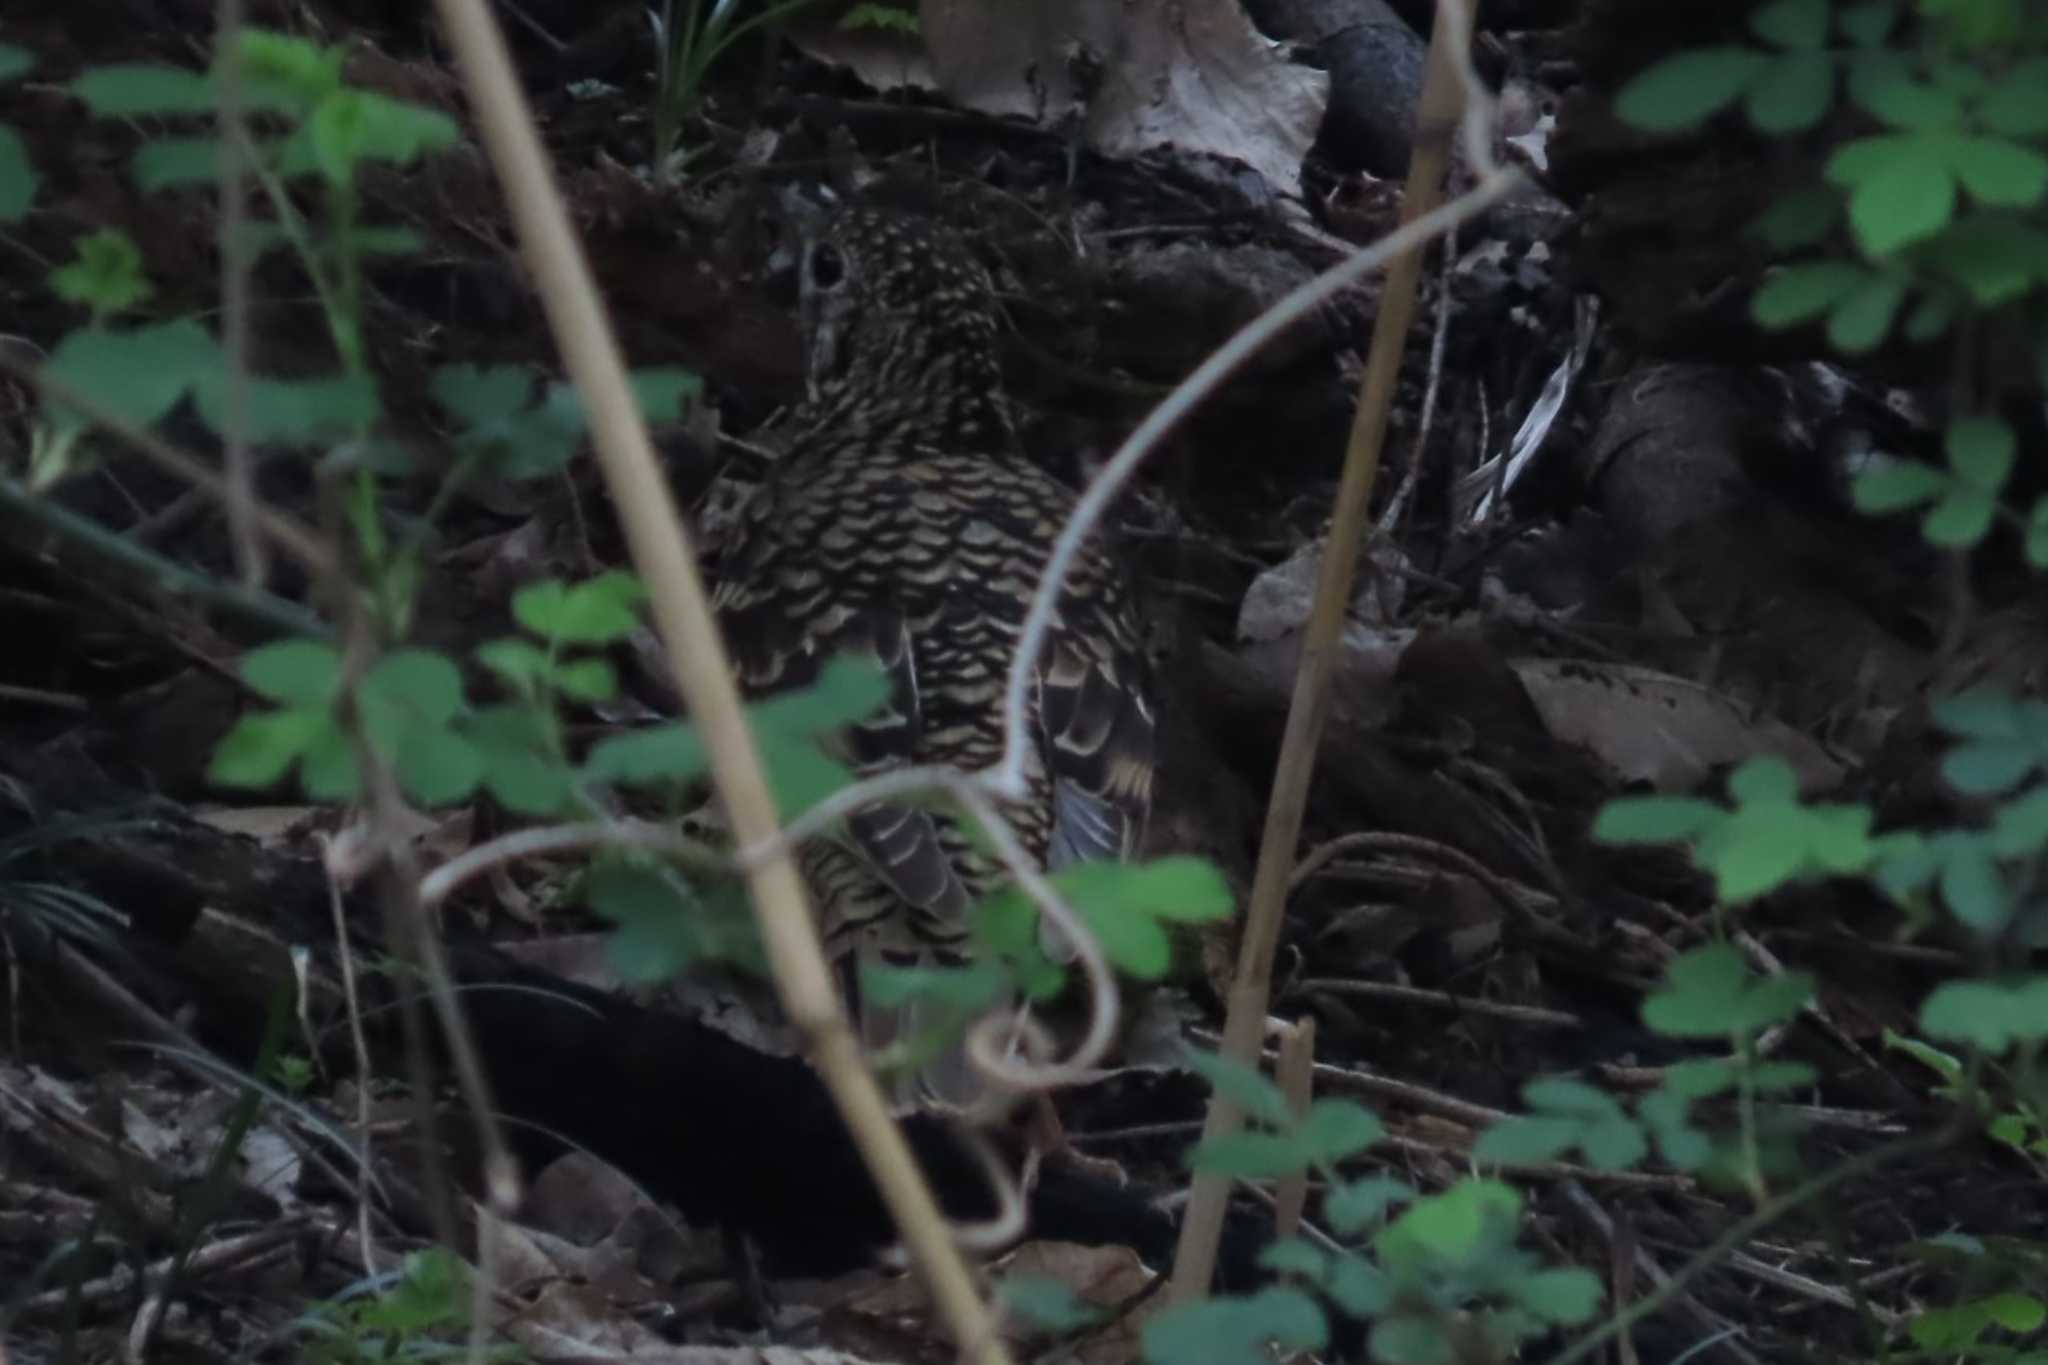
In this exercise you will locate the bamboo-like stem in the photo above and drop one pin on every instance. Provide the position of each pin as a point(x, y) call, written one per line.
point(697, 658)
point(1439, 108)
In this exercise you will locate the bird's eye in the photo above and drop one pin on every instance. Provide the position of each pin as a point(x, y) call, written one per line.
point(828, 267)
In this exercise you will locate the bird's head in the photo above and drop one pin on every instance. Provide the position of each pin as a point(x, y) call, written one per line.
point(892, 307)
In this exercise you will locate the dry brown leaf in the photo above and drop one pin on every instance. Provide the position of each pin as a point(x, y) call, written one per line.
point(1656, 728)
point(1194, 76)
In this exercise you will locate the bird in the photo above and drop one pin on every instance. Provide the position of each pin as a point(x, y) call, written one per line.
point(902, 523)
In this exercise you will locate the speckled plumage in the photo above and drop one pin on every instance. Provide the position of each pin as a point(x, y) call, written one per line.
point(903, 522)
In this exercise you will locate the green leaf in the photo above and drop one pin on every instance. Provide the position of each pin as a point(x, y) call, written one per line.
point(438, 767)
point(1933, 315)
point(1765, 779)
point(1909, 200)
point(967, 990)
point(424, 685)
point(1684, 90)
point(303, 672)
point(262, 747)
point(1973, 889)
point(1454, 1224)
point(327, 770)
point(597, 611)
point(379, 241)
point(15, 62)
point(847, 689)
point(1801, 293)
point(1562, 1095)
point(1933, 1058)
point(163, 162)
point(1046, 1303)
point(1360, 1288)
point(1861, 320)
point(1235, 1331)
point(1654, 819)
point(349, 127)
point(1904, 102)
point(1335, 1129)
point(1527, 1140)
point(662, 392)
point(1562, 1295)
point(1990, 1014)
point(659, 921)
point(523, 769)
point(2037, 534)
point(1945, 1331)
point(291, 411)
point(1980, 451)
point(1959, 520)
point(1999, 173)
point(1293, 1256)
point(1348, 1208)
point(1995, 257)
point(2020, 828)
point(800, 775)
point(1250, 1156)
point(1868, 25)
point(476, 395)
point(285, 65)
point(17, 176)
point(1801, 218)
point(1242, 1086)
point(140, 374)
point(1890, 484)
point(587, 680)
point(1979, 713)
point(105, 274)
point(129, 89)
point(2017, 105)
point(660, 753)
point(1801, 24)
point(1134, 943)
point(1858, 159)
point(1985, 769)
point(1710, 992)
point(1792, 94)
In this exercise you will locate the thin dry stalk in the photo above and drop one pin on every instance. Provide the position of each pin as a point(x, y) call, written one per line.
point(1440, 107)
point(696, 655)
point(1296, 1075)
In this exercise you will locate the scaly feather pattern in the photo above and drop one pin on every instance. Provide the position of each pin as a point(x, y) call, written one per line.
point(902, 523)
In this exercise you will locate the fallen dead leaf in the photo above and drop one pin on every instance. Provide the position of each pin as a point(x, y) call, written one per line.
point(1194, 76)
point(1664, 730)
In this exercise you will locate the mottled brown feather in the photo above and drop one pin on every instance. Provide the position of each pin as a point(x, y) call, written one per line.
point(904, 524)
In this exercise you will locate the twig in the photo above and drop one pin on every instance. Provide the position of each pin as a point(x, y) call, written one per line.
point(220, 1255)
point(168, 574)
point(1390, 520)
point(1295, 1073)
point(1438, 111)
point(1589, 1209)
point(361, 1046)
point(240, 484)
point(520, 844)
point(698, 661)
point(1531, 1015)
point(1767, 1213)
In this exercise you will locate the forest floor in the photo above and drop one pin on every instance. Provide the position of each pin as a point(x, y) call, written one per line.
point(1676, 586)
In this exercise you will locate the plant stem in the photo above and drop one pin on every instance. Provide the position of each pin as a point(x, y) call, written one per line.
point(1439, 107)
point(252, 603)
point(683, 620)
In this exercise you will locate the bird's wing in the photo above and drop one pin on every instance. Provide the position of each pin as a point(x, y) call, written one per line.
point(780, 641)
point(1097, 730)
